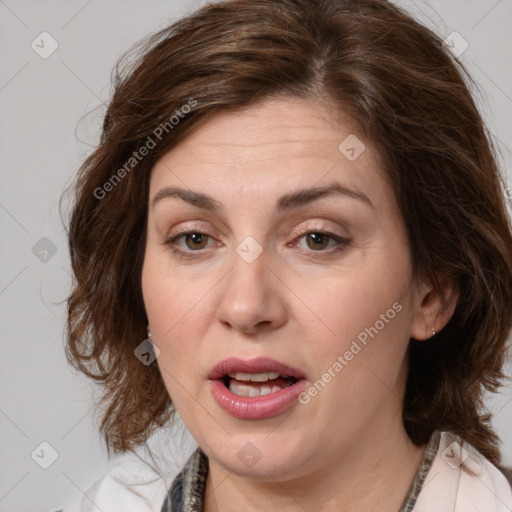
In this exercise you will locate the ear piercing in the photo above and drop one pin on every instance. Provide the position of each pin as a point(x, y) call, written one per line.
point(433, 332)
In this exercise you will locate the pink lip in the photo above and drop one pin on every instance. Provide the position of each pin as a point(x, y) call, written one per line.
point(251, 408)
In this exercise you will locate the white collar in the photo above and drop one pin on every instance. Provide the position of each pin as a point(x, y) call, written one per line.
point(449, 488)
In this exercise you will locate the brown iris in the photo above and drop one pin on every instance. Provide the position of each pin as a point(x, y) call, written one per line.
point(318, 238)
point(197, 238)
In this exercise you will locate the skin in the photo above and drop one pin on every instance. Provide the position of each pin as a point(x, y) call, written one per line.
point(298, 302)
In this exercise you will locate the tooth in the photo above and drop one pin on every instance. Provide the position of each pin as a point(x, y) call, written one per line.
point(240, 389)
point(237, 389)
point(240, 376)
point(254, 377)
point(254, 392)
point(263, 377)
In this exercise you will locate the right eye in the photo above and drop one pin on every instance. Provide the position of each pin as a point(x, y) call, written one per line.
point(194, 240)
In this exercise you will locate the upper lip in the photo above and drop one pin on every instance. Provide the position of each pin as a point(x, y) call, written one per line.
point(257, 365)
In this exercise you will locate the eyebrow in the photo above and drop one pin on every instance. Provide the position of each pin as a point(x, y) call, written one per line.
point(286, 202)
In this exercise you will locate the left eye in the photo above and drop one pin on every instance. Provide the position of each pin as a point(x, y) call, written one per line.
point(318, 239)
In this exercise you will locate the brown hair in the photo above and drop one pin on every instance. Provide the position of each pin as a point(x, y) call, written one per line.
point(369, 60)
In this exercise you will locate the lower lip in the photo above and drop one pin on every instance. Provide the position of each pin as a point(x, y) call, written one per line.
point(258, 407)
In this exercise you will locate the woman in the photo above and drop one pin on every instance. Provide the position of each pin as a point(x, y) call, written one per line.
point(298, 202)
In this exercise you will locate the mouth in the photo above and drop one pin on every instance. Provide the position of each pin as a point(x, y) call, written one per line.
point(257, 388)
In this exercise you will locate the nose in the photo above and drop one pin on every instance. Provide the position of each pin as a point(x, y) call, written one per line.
point(253, 296)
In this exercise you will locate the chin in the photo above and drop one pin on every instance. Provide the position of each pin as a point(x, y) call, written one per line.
point(259, 458)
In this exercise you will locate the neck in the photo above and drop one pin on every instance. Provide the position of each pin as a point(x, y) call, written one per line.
point(373, 474)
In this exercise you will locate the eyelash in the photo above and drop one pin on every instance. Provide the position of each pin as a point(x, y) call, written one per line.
point(341, 242)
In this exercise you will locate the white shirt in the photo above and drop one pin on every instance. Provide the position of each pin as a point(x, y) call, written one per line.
point(130, 485)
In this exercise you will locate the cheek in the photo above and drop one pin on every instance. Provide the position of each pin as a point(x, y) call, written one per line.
point(171, 298)
point(362, 361)
point(358, 299)
point(364, 317)
point(169, 305)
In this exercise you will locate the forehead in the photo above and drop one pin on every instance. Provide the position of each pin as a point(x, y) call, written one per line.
point(284, 126)
point(276, 145)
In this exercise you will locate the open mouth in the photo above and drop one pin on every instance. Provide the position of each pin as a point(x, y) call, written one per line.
point(258, 388)
point(256, 384)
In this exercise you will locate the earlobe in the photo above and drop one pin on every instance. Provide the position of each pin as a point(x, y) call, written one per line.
point(431, 312)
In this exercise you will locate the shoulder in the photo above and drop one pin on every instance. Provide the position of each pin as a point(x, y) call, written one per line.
point(133, 482)
point(129, 484)
point(461, 479)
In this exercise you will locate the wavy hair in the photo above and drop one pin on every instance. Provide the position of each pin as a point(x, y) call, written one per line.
point(367, 59)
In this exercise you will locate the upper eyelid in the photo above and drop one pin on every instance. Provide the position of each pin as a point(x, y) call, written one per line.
point(187, 229)
point(306, 222)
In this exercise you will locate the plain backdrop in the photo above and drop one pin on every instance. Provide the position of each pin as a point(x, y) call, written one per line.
point(44, 137)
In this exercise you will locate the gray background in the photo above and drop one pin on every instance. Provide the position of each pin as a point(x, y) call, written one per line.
point(44, 138)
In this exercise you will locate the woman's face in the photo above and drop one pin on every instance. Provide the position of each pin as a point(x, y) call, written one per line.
point(255, 278)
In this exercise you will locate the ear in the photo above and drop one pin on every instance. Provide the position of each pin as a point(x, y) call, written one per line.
point(429, 316)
